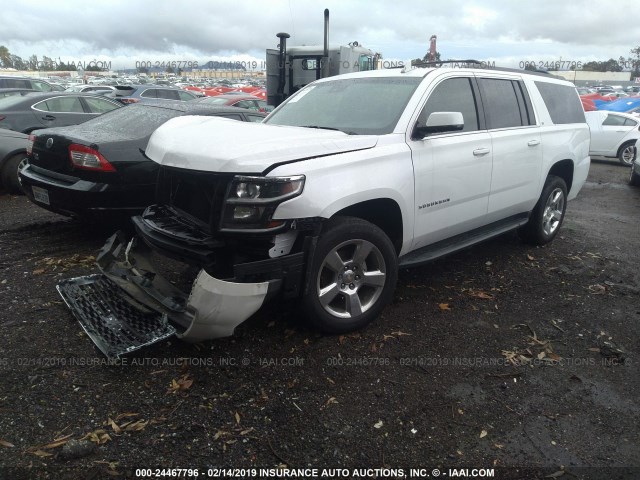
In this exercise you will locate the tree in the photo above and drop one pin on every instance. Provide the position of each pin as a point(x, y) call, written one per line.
point(635, 61)
point(610, 65)
point(33, 62)
point(425, 58)
point(18, 63)
point(5, 57)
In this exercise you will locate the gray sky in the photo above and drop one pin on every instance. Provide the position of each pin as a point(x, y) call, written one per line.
point(507, 32)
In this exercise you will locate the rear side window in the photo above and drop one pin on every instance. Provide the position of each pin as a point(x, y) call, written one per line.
point(167, 94)
point(41, 86)
point(61, 105)
point(255, 118)
point(99, 105)
point(149, 93)
point(15, 83)
point(453, 95)
point(501, 106)
point(563, 103)
point(185, 96)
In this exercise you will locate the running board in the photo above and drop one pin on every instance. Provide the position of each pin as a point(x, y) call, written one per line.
point(450, 245)
point(116, 322)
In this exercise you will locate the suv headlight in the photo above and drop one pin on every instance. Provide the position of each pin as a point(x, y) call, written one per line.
point(251, 201)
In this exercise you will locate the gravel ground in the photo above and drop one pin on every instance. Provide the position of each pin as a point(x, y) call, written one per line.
point(503, 356)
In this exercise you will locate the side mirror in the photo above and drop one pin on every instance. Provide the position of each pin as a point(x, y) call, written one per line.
point(439, 122)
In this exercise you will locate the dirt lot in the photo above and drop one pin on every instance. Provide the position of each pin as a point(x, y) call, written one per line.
point(503, 356)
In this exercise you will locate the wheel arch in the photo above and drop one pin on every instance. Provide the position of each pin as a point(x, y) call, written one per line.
point(385, 213)
point(563, 169)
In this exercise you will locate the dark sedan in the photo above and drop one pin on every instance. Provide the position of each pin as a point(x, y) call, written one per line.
point(97, 170)
point(54, 109)
point(13, 154)
point(149, 94)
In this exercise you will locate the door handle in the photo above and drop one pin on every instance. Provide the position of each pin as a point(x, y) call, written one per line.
point(48, 117)
point(478, 152)
point(533, 143)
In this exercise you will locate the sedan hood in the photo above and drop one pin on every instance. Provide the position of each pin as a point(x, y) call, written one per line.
point(222, 145)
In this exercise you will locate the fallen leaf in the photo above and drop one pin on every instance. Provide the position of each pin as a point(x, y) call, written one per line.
point(42, 453)
point(58, 442)
point(237, 417)
point(378, 424)
point(483, 433)
point(39, 271)
point(136, 426)
point(557, 474)
point(183, 383)
point(530, 257)
point(480, 294)
point(4, 443)
point(399, 333)
point(329, 402)
point(444, 306)
point(499, 446)
point(114, 426)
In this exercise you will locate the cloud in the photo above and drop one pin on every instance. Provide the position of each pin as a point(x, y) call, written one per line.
point(204, 29)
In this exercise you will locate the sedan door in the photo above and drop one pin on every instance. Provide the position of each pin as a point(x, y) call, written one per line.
point(614, 129)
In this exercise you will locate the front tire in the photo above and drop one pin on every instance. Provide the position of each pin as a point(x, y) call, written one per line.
point(627, 154)
point(353, 275)
point(548, 214)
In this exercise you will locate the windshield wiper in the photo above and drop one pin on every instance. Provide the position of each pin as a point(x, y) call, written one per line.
point(323, 128)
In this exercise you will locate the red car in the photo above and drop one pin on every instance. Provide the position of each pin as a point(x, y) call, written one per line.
point(242, 101)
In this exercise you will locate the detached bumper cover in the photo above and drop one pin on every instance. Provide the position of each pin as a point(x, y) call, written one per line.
point(130, 306)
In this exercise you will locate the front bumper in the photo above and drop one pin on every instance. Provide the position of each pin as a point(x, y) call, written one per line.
point(130, 305)
point(72, 196)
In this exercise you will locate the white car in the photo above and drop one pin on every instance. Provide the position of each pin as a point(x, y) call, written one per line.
point(614, 135)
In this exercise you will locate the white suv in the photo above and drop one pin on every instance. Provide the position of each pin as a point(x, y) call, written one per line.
point(351, 178)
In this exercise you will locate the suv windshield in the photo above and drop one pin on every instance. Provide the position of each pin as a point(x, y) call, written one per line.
point(359, 106)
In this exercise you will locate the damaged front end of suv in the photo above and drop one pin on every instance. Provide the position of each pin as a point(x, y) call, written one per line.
point(220, 223)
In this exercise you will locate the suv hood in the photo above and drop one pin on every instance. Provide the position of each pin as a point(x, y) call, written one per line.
point(223, 145)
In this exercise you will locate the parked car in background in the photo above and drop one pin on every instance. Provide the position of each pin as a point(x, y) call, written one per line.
point(28, 83)
point(240, 100)
point(101, 89)
point(7, 92)
point(13, 155)
point(613, 135)
point(98, 170)
point(149, 93)
point(622, 105)
point(54, 109)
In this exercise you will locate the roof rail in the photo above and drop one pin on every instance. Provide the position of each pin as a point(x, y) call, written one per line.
point(471, 63)
point(438, 63)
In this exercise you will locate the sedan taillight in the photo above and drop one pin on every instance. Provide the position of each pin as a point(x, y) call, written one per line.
point(30, 142)
point(89, 159)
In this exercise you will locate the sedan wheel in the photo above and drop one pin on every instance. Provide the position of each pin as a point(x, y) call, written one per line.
point(627, 154)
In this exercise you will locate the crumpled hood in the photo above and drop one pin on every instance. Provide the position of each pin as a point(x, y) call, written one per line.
point(223, 145)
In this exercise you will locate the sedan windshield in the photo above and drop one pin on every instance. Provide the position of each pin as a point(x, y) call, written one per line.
point(357, 106)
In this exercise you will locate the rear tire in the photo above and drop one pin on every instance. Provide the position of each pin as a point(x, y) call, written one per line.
point(10, 173)
point(627, 154)
point(548, 214)
point(353, 275)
